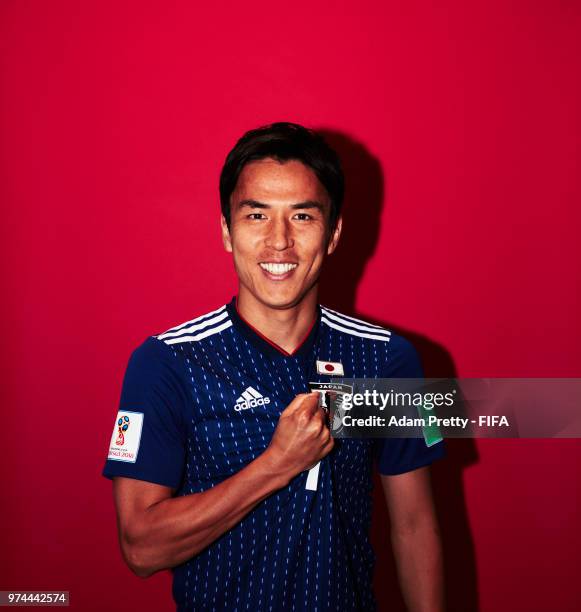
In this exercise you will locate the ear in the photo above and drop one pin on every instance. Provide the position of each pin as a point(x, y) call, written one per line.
point(226, 239)
point(334, 240)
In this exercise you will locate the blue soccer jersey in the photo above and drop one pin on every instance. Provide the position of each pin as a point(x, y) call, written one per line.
point(202, 400)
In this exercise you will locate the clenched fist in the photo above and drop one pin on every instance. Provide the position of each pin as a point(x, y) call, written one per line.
point(301, 437)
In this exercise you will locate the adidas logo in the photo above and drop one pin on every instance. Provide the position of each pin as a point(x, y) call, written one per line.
point(250, 399)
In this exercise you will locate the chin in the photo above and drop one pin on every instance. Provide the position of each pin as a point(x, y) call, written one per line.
point(280, 302)
point(280, 299)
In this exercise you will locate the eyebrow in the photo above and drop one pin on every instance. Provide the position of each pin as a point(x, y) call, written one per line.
point(298, 206)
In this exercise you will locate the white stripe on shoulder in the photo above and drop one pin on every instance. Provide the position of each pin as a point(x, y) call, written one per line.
point(200, 336)
point(194, 328)
point(340, 314)
point(353, 332)
point(356, 323)
point(197, 319)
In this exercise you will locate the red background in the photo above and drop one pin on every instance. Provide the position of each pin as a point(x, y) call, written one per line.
point(459, 130)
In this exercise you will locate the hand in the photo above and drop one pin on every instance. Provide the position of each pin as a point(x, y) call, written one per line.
point(301, 437)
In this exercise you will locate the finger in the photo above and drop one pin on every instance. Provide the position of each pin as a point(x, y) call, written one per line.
point(328, 446)
point(298, 402)
point(320, 416)
point(317, 427)
point(309, 403)
point(325, 435)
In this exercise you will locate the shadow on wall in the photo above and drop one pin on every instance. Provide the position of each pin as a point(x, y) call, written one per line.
point(364, 201)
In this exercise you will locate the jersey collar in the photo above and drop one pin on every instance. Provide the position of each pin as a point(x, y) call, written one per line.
point(262, 343)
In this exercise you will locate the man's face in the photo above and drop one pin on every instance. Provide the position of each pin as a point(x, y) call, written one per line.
point(279, 231)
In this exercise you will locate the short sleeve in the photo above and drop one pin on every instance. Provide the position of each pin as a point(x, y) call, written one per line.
point(399, 455)
point(149, 435)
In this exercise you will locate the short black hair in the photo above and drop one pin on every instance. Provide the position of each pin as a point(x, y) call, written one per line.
point(284, 141)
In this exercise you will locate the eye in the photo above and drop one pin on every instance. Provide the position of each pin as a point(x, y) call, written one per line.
point(303, 217)
point(256, 216)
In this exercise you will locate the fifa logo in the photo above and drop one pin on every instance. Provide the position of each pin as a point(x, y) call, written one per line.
point(122, 426)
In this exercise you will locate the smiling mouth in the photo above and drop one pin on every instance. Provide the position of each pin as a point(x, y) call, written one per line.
point(278, 270)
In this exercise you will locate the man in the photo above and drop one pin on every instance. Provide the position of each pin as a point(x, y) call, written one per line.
point(224, 468)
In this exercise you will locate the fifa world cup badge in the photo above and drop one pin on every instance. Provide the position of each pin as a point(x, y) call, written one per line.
point(126, 436)
point(122, 426)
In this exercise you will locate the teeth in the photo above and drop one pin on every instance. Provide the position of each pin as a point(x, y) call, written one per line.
point(278, 268)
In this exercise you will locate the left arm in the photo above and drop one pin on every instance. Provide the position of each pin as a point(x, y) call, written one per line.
point(415, 537)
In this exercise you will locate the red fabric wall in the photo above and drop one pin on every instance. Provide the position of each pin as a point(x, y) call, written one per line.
point(459, 127)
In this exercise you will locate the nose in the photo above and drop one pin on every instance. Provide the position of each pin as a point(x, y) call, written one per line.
point(279, 236)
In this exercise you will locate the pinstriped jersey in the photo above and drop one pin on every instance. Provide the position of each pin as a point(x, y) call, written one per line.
point(201, 401)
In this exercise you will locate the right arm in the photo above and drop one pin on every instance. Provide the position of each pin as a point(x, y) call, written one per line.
point(158, 531)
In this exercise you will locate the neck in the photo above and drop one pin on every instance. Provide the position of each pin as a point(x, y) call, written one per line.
point(285, 327)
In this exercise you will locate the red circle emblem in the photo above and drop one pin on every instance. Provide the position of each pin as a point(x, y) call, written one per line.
point(329, 367)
